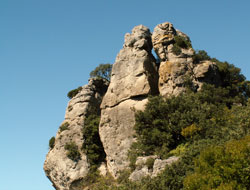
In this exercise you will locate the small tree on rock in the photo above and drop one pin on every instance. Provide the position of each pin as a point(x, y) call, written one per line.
point(102, 71)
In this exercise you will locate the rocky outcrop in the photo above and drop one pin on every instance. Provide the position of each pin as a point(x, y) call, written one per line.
point(62, 171)
point(177, 68)
point(150, 166)
point(134, 77)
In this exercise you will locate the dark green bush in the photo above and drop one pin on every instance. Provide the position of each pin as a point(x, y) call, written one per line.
point(64, 126)
point(52, 142)
point(102, 71)
point(176, 49)
point(74, 92)
point(200, 55)
point(150, 163)
point(72, 151)
point(92, 145)
point(182, 42)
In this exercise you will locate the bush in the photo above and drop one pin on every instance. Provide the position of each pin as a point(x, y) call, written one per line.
point(102, 71)
point(200, 55)
point(74, 92)
point(150, 163)
point(72, 151)
point(222, 167)
point(182, 42)
point(52, 142)
point(176, 49)
point(92, 145)
point(64, 126)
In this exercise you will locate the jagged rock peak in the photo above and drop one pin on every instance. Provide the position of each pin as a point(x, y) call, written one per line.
point(134, 72)
point(177, 66)
point(134, 77)
point(140, 37)
point(61, 170)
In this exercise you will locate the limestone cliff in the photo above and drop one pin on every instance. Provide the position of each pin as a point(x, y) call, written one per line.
point(135, 75)
point(61, 170)
point(177, 67)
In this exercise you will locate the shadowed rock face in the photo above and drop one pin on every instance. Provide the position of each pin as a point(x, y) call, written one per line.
point(176, 68)
point(134, 77)
point(61, 170)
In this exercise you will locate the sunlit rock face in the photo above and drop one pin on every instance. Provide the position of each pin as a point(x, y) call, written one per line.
point(62, 171)
point(134, 77)
point(177, 67)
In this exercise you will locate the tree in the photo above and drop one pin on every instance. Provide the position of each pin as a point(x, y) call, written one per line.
point(102, 71)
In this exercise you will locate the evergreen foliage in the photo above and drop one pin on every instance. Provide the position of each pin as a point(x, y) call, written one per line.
point(64, 126)
point(222, 167)
point(102, 71)
point(52, 142)
point(92, 145)
point(74, 92)
point(208, 130)
point(72, 151)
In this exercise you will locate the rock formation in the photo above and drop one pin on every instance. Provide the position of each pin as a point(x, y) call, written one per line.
point(143, 169)
point(62, 171)
point(177, 67)
point(134, 77)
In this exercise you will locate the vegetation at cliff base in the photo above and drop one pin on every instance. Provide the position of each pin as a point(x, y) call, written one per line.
point(92, 145)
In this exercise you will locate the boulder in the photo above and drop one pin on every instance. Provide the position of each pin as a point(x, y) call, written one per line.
point(143, 169)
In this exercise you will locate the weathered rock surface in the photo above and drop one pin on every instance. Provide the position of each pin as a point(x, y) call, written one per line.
point(144, 170)
point(178, 69)
point(61, 170)
point(134, 77)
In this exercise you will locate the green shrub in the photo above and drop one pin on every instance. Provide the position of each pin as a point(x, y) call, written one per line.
point(176, 49)
point(64, 126)
point(72, 151)
point(150, 163)
point(74, 92)
point(102, 71)
point(182, 42)
point(222, 167)
point(92, 145)
point(52, 142)
point(200, 55)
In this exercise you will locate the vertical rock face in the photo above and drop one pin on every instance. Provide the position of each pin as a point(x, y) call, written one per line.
point(177, 67)
point(134, 77)
point(61, 170)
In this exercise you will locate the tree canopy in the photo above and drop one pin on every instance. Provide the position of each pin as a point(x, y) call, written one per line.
point(102, 71)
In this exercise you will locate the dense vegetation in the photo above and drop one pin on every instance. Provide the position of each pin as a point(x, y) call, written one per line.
point(92, 145)
point(208, 130)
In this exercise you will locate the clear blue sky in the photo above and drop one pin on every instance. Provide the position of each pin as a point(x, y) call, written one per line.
point(48, 47)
